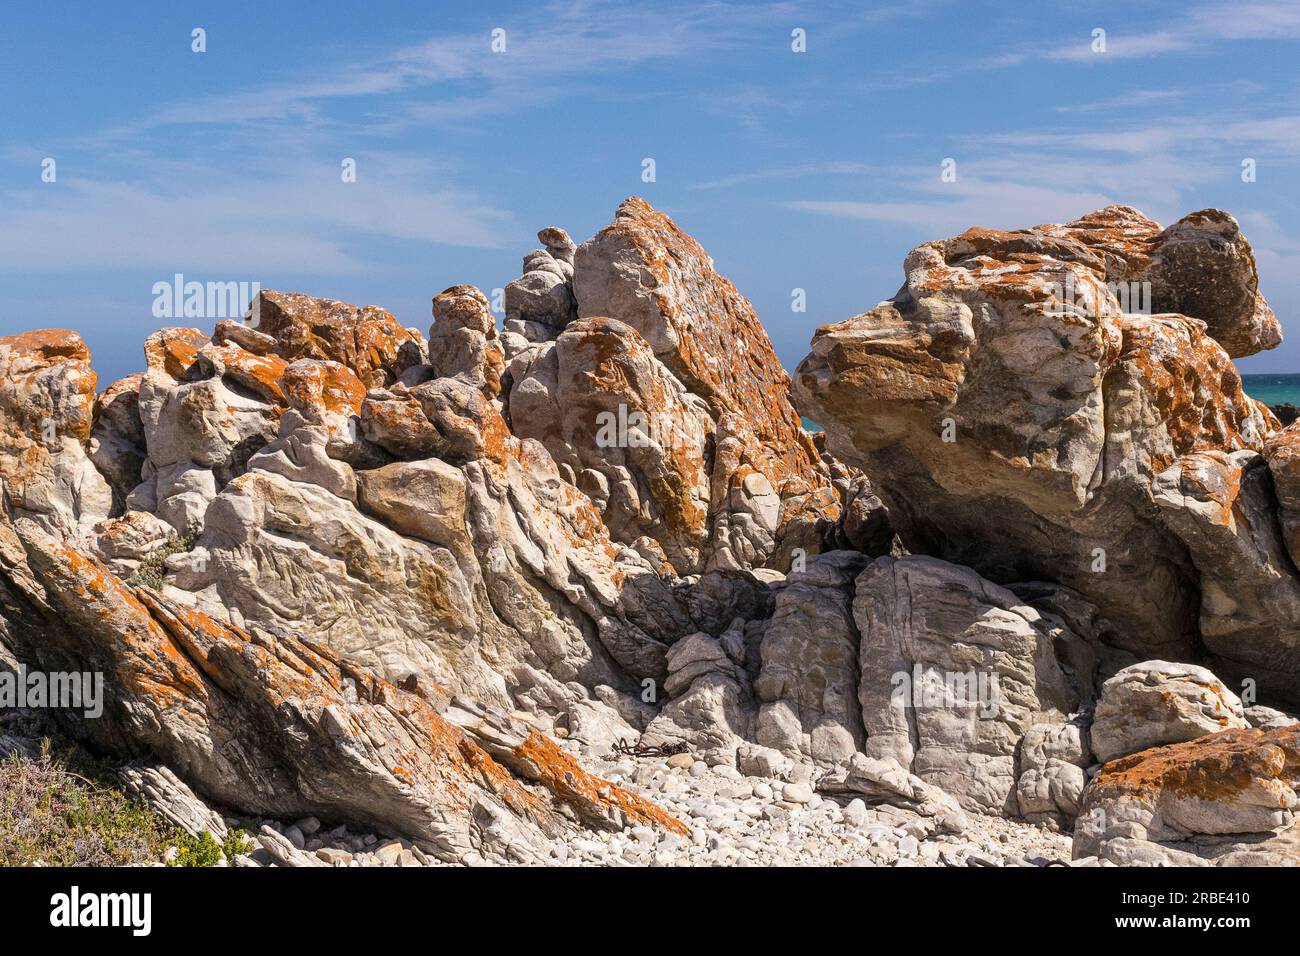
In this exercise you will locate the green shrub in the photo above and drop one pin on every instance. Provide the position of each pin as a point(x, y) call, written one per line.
point(62, 808)
point(153, 569)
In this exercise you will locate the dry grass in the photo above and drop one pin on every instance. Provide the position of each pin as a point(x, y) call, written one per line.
point(61, 808)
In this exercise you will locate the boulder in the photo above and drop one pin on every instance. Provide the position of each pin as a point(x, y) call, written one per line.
point(1228, 798)
point(1157, 702)
point(1015, 418)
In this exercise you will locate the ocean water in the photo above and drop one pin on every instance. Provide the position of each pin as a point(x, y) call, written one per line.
point(1273, 389)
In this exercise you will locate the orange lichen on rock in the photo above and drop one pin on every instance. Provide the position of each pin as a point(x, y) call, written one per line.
point(589, 795)
point(1218, 767)
point(1193, 384)
point(708, 335)
point(47, 345)
point(366, 339)
point(173, 351)
point(258, 373)
point(314, 387)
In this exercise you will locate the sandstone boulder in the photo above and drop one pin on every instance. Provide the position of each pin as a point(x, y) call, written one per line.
point(1156, 702)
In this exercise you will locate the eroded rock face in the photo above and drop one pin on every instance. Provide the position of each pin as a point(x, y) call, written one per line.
point(954, 671)
point(1184, 804)
point(1052, 763)
point(1156, 702)
point(279, 725)
point(626, 431)
point(808, 683)
point(767, 479)
point(1016, 420)
point(47, 399)
point(463, 340)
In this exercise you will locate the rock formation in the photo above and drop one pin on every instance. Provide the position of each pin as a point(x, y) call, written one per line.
point(336, 569)
point(1018, 420)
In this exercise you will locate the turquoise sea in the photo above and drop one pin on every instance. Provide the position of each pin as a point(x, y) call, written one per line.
point(1273, 389)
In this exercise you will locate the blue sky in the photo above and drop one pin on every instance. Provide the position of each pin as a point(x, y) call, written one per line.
point(815, 170)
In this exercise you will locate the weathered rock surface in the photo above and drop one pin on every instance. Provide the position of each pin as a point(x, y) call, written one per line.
point(954, 671)
point(336, 570)
point(1156, 702)
point(808, 684)
point(767, 481)
point(1228, 798)
point(1017, 420)
point(367, 340)
point(279, 725)
point(47, 399)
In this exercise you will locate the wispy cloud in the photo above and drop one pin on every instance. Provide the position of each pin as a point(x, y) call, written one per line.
point(545, 47)
point(261, 218)
point(786, 171)
point(998, 205)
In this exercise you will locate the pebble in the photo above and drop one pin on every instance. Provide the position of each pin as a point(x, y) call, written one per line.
point(796, 793)
point(735, 821)
point(855, 814)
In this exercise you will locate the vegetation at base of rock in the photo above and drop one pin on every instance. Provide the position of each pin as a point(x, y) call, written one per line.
point(204, 850)
point(61, 807)
point(153, 568)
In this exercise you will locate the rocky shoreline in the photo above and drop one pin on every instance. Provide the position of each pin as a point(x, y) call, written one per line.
point(403, 599)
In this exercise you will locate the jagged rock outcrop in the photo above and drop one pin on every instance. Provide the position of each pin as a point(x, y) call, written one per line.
point(1017, 420)
point(331, 567)
point(368, 340)
point(705, 442)
point(539, 304)
point(279, 725)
